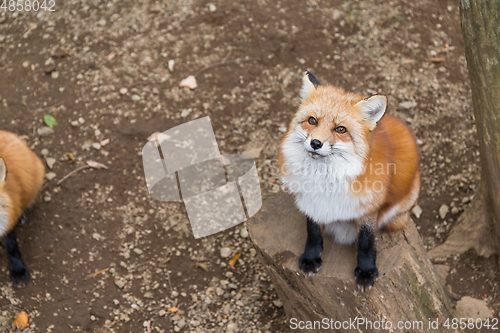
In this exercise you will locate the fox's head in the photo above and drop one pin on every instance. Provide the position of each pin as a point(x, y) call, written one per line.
point(331, 127)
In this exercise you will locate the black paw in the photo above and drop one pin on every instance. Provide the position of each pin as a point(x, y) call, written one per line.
point(365, 278)
point(19, 274)
point(309, 266)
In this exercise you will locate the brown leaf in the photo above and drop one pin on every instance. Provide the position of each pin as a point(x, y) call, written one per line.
point(70, 157)
point(21, 320)
point(435, 60)
point(96, 165)
point(202, 265)
point(235, 258)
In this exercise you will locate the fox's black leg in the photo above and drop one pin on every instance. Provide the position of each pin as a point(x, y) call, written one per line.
point(22, 219)
point(310, 261)
point(366, 271)
point(18, 271)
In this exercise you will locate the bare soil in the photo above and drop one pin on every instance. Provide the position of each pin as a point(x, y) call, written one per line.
point(101, 69)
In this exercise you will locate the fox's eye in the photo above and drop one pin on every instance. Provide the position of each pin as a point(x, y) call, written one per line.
point(340, 129)
point(312, 121)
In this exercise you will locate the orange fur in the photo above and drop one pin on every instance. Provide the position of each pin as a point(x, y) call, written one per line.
point(25, 176)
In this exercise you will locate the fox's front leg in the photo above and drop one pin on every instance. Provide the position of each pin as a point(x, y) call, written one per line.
point(310, 261)
point(366, 271)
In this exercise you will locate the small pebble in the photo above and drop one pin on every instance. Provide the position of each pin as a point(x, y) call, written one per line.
point(225, 252)
point(96, 146)
point(443, 211)
point(44, 131)
point(123, 91)
point(54, 74)
point(417, 211)
point(44, 152)
point(50, 175)
point(50, 162)
point(136, 98)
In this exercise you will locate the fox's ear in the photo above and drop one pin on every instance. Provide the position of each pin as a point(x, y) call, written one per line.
point(309, 83)
point(372, 109)
point(3, 171)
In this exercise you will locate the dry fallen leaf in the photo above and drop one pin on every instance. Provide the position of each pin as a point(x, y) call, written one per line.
point(435, 60)
point(235, 258)
point(21, 320)
point(96, 165)
point(173, 310)
point(70, 157)
point(189, 82)
point(202, 265)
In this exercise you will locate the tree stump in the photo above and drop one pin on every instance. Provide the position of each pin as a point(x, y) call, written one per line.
point(407, 289)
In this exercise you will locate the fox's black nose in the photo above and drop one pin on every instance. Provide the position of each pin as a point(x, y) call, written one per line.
point(316, 144)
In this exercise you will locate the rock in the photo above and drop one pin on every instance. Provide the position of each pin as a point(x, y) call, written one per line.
point(253, 152)
point(225, 252)
point(277, 303)
point(407, 105)
point(337, 14)
point(75, 123)
point(189, 82)
point(136, 98)
point(50, 162)
point(44, 131)
point(181, 323)
point(120, 283)
point(123, 91)
point(186, 112)
point(54, 74)
point(171, 64)
point(232, 327)
point(443, 211)
point(44, 152)
point(212, 8)
point(417, 211)
point(50, 175)
point(244, 233)
point(469, 307)
point(455, 210)
point(96, 146)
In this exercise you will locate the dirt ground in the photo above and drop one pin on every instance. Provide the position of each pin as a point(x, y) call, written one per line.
point(101, 68)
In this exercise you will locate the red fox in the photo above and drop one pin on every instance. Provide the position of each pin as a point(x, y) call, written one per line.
point(353, 170)
point(21, 178)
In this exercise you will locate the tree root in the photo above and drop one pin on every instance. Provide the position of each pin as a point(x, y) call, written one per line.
point(473, 230)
